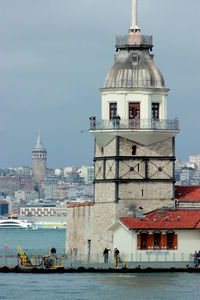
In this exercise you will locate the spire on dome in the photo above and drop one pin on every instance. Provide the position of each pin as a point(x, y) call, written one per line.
point(134, 27)
point(39, 144)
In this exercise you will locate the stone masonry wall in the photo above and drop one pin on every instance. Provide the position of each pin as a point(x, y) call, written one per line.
point(39, 169)
point(91, 223)
point(80, 225)
point(164, 148)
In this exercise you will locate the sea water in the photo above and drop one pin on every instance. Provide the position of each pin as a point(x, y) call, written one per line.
point(99, 286)
point(86, 286)
point(40, 239)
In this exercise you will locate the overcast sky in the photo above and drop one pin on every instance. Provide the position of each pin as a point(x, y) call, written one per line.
point(54, 56)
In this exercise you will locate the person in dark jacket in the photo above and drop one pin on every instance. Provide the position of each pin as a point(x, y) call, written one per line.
point(105, 254)
point(116, 256)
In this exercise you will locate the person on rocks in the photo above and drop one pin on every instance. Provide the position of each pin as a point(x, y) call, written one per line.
point(105, 254)
point(118, 119)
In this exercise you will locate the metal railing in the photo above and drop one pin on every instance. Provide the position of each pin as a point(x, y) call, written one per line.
point(134, 124)
point(145, 40)
point(97, 260)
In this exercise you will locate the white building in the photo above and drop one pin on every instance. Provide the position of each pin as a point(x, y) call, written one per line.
point(58, 172)
point(159, 235)
point(67, 171)
point(87, 173)
point(43, 211)
point(195, 159)
point(25, 195)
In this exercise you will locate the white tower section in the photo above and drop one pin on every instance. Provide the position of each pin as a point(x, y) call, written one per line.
point(135, 91)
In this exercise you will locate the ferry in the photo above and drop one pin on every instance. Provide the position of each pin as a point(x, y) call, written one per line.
point(12, 223)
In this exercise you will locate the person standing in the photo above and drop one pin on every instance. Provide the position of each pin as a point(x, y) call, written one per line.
point(116, 256)
point(105, 254)
point(196, 259)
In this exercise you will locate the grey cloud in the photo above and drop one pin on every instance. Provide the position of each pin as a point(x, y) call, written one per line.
point(54, 55)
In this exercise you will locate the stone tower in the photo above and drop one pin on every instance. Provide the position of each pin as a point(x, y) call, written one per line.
point(134, 143)
point(39, 157)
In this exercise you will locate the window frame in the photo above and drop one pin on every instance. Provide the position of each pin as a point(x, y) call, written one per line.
point(153, 111)
point(110, 110)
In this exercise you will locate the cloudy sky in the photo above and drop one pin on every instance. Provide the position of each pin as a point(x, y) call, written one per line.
point(54, 55)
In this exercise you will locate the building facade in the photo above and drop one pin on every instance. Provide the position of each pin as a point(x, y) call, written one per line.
point(134, 159)
point(3, 208)
point(166, 235)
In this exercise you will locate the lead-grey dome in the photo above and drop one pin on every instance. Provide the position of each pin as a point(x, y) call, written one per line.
point(134, 69)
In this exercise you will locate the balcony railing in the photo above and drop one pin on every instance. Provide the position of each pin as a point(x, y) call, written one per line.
point(134, 124)
point(123, 40)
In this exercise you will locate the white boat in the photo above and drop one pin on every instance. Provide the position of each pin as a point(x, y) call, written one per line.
point(14, 223)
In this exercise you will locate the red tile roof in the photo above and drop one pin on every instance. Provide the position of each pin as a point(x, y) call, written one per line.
point(187, 193)
point(72, 205)
point(171, 219)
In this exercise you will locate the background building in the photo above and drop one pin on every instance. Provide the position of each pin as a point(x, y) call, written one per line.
point(39, 157)
point(3, 208)
point(195, 159)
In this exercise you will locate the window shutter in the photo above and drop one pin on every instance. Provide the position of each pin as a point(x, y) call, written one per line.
point(175, 242)
point(138, 241)
point(163, 243)
point(150, 241)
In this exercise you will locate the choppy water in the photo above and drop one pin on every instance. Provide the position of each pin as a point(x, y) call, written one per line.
point(99, 286)
point(86, 286)
point(41, 239)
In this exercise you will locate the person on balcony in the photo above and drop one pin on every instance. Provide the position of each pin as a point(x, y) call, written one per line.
point(118, 119)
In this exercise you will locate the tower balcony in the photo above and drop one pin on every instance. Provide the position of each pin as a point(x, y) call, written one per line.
point(134, 41)
point(133, 124)
point(141, 131)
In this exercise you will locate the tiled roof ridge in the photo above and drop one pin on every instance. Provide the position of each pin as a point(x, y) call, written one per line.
point(185, 219)
point(84, 204)
point(187, 193)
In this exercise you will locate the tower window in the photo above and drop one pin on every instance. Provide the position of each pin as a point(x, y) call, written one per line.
point(155, 111)
point(135, 59)
point(134, 150)
point(113, 111)
point(134, 111)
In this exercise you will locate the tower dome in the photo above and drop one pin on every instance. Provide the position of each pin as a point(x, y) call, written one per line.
point(134, 69)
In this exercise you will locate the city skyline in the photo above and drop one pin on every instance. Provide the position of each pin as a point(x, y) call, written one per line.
point(48, 82)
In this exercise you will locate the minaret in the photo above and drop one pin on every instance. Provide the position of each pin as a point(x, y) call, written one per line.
point(134, 140)
point(39, 157)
